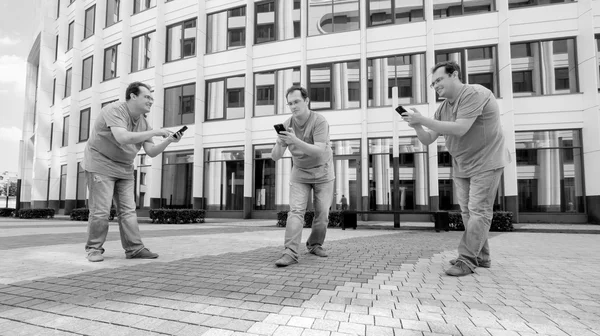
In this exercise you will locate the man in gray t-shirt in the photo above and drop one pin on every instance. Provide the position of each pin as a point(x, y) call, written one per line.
point(307, 138)
point(469, 119)
point(118, 134)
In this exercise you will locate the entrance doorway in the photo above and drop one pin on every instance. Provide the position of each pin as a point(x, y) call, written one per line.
point(347, 188)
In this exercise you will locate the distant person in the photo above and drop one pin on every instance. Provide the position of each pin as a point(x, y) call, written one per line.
point(469, 119)
point(344, 203)
point(307, 138)
point(116, 137)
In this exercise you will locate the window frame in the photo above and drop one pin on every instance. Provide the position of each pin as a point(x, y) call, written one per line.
point(85, 22)
point(224, 97)
point(143, 10)
point(181, 102)
point(65, 131)
point(69, 79)
point(91, 57)
point(182, 40)
point(70, 36)
point(116, 46)
point(118, 11)
point(330, 65)
point(87, 136)
point(393, 13)
point(228, 12)
point(132, 44)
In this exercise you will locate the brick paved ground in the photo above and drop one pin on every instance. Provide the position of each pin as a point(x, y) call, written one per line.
point(219, 279)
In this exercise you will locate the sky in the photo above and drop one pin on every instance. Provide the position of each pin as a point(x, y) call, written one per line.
point(16, 38)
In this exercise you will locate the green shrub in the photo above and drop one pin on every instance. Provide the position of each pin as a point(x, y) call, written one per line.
point(177, 216)
point(6, 212)
point(336, 218)
point(501, 221)
point(35, 213)
point(82, 214)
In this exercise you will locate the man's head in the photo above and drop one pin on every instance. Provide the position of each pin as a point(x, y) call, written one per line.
point(139, 98)
point(446, 79)
point(297, 98)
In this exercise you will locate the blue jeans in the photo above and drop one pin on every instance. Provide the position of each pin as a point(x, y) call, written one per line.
point(299, 192)
point(476, 197)
point(103, 189)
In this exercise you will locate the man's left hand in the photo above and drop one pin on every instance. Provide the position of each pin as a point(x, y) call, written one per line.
point(413, 117)
point(289, 137)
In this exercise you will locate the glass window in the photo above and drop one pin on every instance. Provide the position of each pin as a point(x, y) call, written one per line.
point(394, 12)
point(544, 67)
point(320, 87)
point(550, 171)
point(177, 180)
point(142, 5)
point(62, 194)
point(225, 98)
point(598, 58)
point(141, 55)
point(51, 135)
point(108, 102)
point(81, 191)
point(180, 105)
point(407, 72)
point(181, 40)
point(226, 30)
point(332, 16)
point(271, 182)
point(112, 12)
point(68, 77)
point(443, 9)
point(144, 169)
point(276, 20)
point(70, 36)
point(53, 90)
point(84, 124)
point(56, 49)
point(57, 9)
point(110, 62)
point(86, 78)
point(527, 3)
point(224, 178)
point(90, 22)
point(270, 90)
point(478, 65)
point(65, 133)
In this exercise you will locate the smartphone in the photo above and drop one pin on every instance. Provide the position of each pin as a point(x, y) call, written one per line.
point(181, 130)
point(400, 109)
point(279, 128)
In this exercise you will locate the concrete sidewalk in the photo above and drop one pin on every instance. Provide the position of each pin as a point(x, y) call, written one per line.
point(218, 278)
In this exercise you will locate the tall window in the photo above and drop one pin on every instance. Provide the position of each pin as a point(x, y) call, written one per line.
point(550, 171)
point(107, 102)
point(332, 16)
point(225, 98)
point(112, 12)
point(51, 135)
point(598, 58)
point(407, 72)
point(226, 30)
point(57, 9)
point(65, 133)
point(181, 40)
point(53, 90)
point(68, 77)
point(544, 67)
point(144, 169)
point(141, 54)
point(70, 36)
point(271, 182)
point(90, 22)
point(270, 88)
point(81, 192)
point(327, 91)
point(56, 49)
point(84, 124)
point(478, 65)
point(393, 12)
point(177, 180)
point(86, 77)
point(224, 178)
point(442, 9)
point(110, 62)
point(276, 20)
point(142, 5)
point(62, 193)
point(527, 3)
point(180, 102)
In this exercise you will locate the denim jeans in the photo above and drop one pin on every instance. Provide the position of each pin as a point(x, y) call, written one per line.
point(299, 192)
point(476, 197)
point(103, 189)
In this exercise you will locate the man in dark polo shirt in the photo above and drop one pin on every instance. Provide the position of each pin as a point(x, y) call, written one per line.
point(117, 136)
point(469, 119)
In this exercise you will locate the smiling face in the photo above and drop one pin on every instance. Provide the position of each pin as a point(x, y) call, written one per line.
point(297, 104)
point(444, 84)
point(143, 101)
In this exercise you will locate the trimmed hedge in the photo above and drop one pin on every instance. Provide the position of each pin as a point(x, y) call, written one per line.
point(501, 221)
point(6, 212)
point(177, 216)
point(35, 213)
point(83, 214)
point(336, 218)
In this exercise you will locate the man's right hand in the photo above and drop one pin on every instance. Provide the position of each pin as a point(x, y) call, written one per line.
point(162, 133)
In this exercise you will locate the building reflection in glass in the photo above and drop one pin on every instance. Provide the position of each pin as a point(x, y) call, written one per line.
point(224, 178)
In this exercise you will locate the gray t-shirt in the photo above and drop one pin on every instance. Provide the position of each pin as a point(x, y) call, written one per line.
point(103, 153)
point(482, 148)
point(310, 169)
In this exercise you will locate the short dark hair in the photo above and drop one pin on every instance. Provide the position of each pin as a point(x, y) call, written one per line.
point(135, 89)
point(449, 67)
point(293, 88)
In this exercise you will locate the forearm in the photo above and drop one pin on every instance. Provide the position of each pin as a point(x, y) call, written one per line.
point(442, 127)
point(308, 149)
point(137, 137)
point(157, 149)
point(424, 136)
point(278, 151)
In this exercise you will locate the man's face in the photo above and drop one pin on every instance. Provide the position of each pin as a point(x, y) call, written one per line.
point(442, 82)
point(296, 103)
point(144, 100)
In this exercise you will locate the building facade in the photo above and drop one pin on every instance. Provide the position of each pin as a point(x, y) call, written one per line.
point(222, 67)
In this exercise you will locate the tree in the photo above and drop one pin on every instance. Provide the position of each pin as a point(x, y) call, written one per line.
point(12, 189)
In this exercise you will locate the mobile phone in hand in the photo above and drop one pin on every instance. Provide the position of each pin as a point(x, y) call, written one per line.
point(400, 109)
point(181, 130)
point(279, 128)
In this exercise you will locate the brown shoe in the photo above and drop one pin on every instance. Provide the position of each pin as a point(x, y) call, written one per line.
point(318, 251)
point(459, 269)
point(285, 260)
point(484, 264)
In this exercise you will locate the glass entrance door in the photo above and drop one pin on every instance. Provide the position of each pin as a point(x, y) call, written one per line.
point(347, 193)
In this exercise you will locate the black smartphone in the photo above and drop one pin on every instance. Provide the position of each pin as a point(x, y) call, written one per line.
point(400, 109)
point(279, 128)
point(181, 130)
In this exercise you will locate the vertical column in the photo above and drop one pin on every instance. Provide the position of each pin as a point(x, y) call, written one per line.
point(364, 141)
point(304, 75)
point(432, 105)
point(395, 155)
point(198, 188)
point(248, 103)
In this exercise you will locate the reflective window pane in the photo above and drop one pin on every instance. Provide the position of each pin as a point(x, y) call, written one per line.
point(86, 77)
point(270, 88)
point(177, 180)
point(333, 16)
point(271, 179)
point(224, 178)
point(407, 72)
point(110, 62)
point(141, 55)
point(90, 22)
